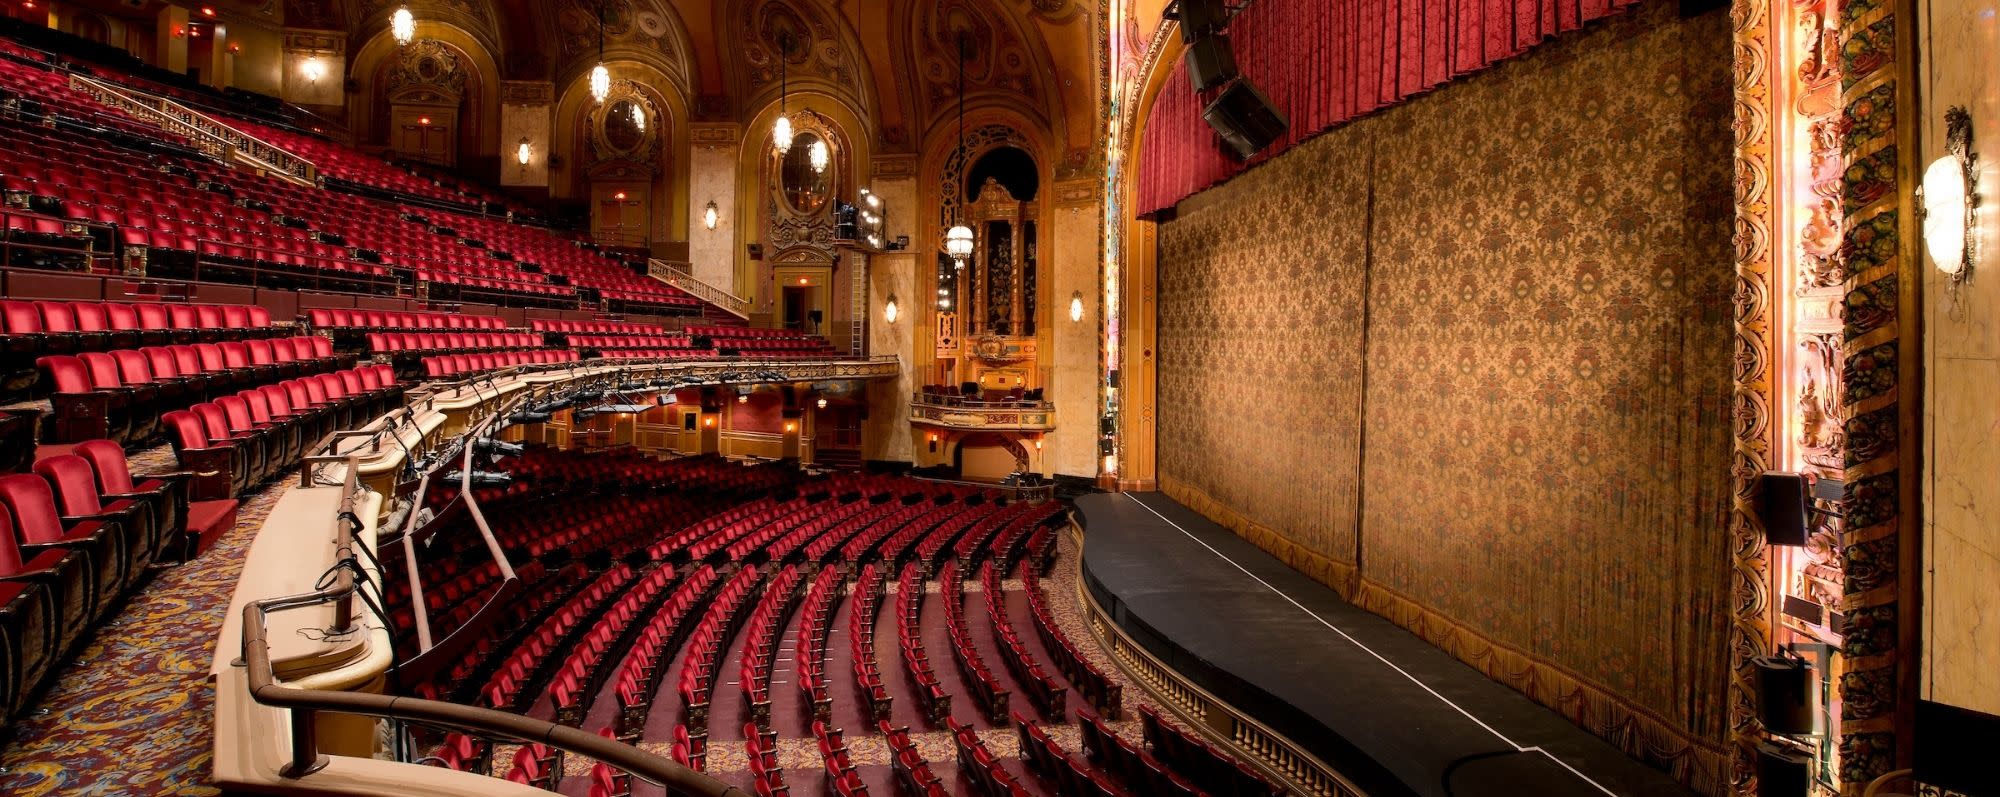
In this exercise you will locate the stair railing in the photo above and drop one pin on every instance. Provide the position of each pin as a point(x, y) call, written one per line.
point(681, 275)
point(211, 137)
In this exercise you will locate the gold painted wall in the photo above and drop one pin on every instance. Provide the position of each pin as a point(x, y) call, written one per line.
point(1530, 465)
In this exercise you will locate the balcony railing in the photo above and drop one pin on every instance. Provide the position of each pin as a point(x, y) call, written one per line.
point(973, 413)
point(681, 276)
point(217, 140)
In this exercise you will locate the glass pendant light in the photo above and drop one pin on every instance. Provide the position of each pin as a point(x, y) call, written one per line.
point(958, 239)
point(600, 75)
point(821, 157)
point(781, 130)
point(403, 25)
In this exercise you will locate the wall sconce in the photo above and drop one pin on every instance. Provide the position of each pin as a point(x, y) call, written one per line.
point(820, 403)
point(742, 398)
point(708, 422)
point(791, 426)
point(1075, 306)
point(524, 153)
point(889, 311)
point(313, 69)
point(709, 215)
point(1949, 201)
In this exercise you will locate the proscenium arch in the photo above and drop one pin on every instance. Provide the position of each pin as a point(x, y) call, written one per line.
point(369, 59)
point(1138, 264)
point(855, 131)
point(574, 102)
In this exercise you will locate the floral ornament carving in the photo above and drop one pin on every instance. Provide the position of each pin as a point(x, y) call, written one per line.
point(427, 70)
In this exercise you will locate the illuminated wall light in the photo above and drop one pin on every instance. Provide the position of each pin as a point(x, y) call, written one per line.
point(743, 399)
point(820, 156)
point(208, 11)
point(802, 280)
point(821, 403)
point(1949, 199)
point(791, 427)
point(424, 120)
point(889, 311)
point(708, 422)
point(403, 25)
point(1076, 306)
point(620, 196)
point(525, 153)
point(1110, 463)
point(709, 215)
point(313, 69)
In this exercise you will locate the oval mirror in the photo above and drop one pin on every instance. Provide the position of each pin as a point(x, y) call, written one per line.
point(625, 125)
point(806, 188)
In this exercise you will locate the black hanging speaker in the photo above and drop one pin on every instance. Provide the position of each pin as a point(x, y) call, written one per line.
point(1199, 18)
point(1782, 772)
point(1210, 61)
point(1781, 505)
point(1784, 694)
point(1246, 120)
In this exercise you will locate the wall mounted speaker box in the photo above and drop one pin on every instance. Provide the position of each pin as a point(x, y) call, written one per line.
point(1784, 694)
point(1782, 772)
point(1955, 748)
point(1210, 61)
point(1781, 505)
point(1199, 18)
point(1245, 119)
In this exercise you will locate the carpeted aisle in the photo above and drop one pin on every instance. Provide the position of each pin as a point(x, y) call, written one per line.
point(129, 715)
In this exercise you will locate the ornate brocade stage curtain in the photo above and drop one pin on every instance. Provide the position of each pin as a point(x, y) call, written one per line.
point(1323, 62)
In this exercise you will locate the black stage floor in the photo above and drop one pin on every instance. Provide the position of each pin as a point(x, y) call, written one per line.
point(1390, 712)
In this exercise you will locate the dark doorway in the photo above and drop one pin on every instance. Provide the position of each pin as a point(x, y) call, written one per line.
point(796, 298)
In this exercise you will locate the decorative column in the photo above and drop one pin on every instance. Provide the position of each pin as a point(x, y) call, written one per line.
point(170, 28)
point(1072, 369)
point(526, 109)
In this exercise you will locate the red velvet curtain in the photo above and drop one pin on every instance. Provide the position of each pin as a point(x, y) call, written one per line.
point(1323, 62)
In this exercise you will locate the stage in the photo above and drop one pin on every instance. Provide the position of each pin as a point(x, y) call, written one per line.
point(1390, 713)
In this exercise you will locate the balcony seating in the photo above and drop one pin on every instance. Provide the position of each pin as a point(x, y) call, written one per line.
point(236, 442)
point(455, 366)
point(561, 327)
point(48, 598)
point(336, 319)
point(120, 394)
point(78, 498)
point(1104, 748)
point(1054, 766)
point(1200, 763)
point(38, 328)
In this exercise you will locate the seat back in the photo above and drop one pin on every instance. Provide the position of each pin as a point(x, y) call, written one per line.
point(66, 373)
point(185, 430)
point(56, 316)
point(183, 316)
point(236, 412)
point(260, 352)
point(208, 316)
point(20, 318)
point(160, 361)
point(236, 316)
point(103, 369)
point(122, 316)
point(107, 461)
point(258, 402)
point(260, 316)
point(74, 481)
point(211, 357)
point(214, 422)
point(33, 505)
point(133, 368)
point(10, 551)
point(152, 316)
point(90, 316)
point(234, 354)
point(187, 359)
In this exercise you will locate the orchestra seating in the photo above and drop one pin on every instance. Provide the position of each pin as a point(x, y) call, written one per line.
point(672, 610)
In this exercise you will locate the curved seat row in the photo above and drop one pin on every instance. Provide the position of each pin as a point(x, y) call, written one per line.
point(121, 394)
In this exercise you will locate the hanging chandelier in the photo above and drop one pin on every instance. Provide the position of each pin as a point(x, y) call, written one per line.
point(781, 130)
point(403, 25)
point(958, 239)
point(600, 75)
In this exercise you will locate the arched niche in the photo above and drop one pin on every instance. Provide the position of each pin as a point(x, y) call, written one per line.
point(479, 118)
point(853, 141)
point(587, 170)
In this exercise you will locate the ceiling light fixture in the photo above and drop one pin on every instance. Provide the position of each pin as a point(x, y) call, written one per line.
point(958, 239)
point(600, 75)
point(403, 25)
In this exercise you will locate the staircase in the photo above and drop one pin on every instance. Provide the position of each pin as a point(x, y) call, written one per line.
point(680, 275)
point(211, 137)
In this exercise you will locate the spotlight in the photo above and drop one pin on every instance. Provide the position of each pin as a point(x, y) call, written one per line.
point(525, 418)
point(498, 448)
point(482, 478)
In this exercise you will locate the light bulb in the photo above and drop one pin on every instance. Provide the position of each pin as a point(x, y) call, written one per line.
point(889, 309)
point(524, 153)
point(821, 157)
point(1076, 306)
point(403, 25)
point(314, 69)
point(781, 134)
point(1944, 213)
point(709, 216)
point(600, 82)
point(821, 403)
point(958, 243)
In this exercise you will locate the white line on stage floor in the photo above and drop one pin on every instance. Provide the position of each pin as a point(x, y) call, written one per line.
point(1370, 651)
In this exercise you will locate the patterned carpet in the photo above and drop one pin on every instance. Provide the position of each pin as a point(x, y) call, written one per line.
point(130, 715)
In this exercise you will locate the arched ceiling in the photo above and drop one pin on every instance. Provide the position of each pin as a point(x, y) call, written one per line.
point(893, 61)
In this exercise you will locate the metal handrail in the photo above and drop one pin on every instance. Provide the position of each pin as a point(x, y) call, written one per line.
point(1035, 493)
point(936, 400)
point(680, 276)
point(256, 151)
point(305, 704)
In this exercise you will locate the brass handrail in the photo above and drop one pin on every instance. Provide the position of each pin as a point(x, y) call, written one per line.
point(256, 151)
point(680, 276)
point(305, 704)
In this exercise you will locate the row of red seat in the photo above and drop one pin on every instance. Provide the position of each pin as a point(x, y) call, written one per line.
point(121, 394)
point(767, 778)
point(541, 596)
point(760, 649)
point(989, 695)
point(1108, 751)
point(628, 341)
point(914, 776)
point(810, 653)
point(639, 677)
point(842, 780)
point(976, 763)
point(453, 342)
point(590, 660)
point(1210, 769)
point(238, 441)
point(861, 643)
point(1054, 765)
point(525, 664)
point(1044, 690)
point(36, 328)
point(77, 536)
point(451, 366)
point(931, 694)
point(658, 354)
point(391, 320)
point(706, 644)
point(596, 327)
point(1101, 691)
